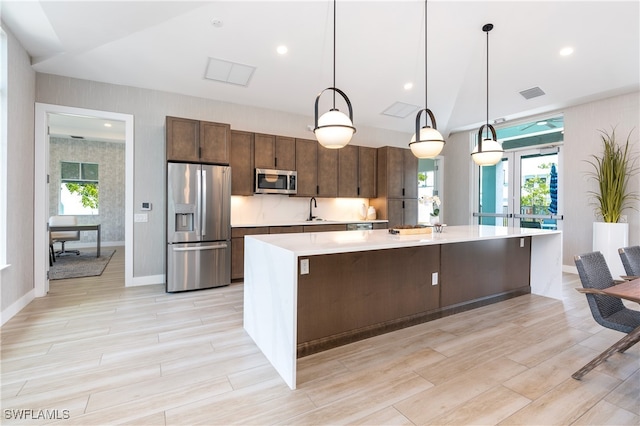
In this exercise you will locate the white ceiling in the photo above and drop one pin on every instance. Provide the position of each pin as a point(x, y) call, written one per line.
point(166, 45)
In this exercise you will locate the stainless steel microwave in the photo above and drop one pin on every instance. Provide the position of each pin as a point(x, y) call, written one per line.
point(269, 181)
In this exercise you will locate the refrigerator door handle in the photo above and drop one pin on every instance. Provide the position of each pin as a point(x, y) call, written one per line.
point(203, 202)
point(215, 247)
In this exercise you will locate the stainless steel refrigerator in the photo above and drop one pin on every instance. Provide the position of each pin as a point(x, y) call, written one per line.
point(198, 226)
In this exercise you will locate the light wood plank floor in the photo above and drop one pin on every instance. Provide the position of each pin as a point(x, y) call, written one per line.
point(95, 353)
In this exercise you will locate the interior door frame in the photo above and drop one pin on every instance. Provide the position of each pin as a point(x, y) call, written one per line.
point(41, 189)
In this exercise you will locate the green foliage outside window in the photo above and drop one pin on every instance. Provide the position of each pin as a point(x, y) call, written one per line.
point(88, 193)
point(536, 192)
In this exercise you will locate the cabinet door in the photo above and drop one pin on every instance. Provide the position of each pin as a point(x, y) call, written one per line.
point(367, 172)
point(410, 178)
point(395, 212)
point(264, 152)
point(307, 167)
point(293, 229)
point(285, 158)
point(348, 171)
point(182, 138)
point(410, 211)
point(395, 172)
point(327, 172)
point(237, 258)
point(241, 161)
point(215, 142)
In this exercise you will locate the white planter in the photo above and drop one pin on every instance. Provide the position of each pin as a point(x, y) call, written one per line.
point(607, 239)
point(435, 219)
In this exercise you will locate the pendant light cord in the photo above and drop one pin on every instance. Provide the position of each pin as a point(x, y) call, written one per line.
point(487, 129)
point(426, 105)
point(334, 53)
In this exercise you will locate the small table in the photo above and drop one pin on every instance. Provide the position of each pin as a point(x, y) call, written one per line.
point(629, 290)
point(80, 228)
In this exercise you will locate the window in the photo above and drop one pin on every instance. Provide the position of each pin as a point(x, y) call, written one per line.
point(78, 188)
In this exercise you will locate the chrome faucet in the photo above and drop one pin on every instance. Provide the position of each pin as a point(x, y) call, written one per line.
point(315, 204)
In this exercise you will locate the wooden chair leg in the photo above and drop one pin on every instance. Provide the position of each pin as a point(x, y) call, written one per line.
point(620, 346)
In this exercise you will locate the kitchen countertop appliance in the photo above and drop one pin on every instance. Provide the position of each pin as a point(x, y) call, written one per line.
point(198, 226)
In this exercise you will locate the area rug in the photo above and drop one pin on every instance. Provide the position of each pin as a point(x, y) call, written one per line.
point(86, 264)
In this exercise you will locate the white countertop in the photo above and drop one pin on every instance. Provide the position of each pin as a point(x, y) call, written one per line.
point(306, 222)
point(317, 243)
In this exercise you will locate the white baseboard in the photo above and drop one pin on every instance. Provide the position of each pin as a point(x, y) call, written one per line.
point(16, 306)
point(147, 280)
point(91, 245)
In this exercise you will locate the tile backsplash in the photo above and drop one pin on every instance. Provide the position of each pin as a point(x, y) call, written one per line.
point(276, 209)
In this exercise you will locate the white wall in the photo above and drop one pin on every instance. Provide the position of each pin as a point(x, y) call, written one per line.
point(581, 139)
point(17, 280)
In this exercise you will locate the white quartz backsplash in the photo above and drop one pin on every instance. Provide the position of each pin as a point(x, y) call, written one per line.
point(270, 209)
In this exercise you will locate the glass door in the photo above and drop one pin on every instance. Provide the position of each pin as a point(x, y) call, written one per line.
point(520, 191)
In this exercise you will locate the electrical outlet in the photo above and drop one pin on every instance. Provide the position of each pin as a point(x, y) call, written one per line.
point(521, 242)
point(304, 266)
point(434, 278)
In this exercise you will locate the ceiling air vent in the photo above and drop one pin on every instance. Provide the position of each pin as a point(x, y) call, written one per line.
point(534, 92)
point(76, 137)
point(400, 110)
point(229, 72)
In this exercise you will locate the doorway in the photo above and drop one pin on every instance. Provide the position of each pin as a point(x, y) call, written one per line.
point(523, 189)
point(42, 172)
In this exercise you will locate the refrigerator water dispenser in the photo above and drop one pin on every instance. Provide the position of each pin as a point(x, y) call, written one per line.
point(184, 222)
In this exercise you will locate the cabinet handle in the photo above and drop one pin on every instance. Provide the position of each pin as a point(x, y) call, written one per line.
point(403, 204)
point(358, 191)
point(276, 162)
point(317, 189)
point(403, 192)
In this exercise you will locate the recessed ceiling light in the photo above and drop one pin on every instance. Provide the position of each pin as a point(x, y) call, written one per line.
point(408, 86)
point(566, 51)
point(107, 124)
point(282, 50)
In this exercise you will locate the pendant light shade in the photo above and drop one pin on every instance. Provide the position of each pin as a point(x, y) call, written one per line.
point(430, 141)
point(334, 129)
point(488, 151)
point(427, 142)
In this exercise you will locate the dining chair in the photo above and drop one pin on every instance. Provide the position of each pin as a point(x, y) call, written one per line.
point(630, 257)
point(608, 311)
point(64, 236)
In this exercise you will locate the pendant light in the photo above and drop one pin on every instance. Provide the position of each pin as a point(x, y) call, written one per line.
point(334, 129)
point(430, 142)
point(487, 152)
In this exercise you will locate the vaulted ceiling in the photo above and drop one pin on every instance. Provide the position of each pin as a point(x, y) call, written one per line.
point(167, 45)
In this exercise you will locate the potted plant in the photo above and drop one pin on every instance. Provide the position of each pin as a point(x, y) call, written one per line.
point(612, 171)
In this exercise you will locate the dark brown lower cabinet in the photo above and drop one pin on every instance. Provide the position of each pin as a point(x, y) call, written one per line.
point(480, 269)
point(347, 297)
point(353, 294)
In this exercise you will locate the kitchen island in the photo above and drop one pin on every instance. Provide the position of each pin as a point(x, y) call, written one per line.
point(304, 293)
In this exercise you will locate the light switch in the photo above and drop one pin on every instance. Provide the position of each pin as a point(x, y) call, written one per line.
point(141, 217)
point(434, 278)
point(304, 266)
point(521, 242)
